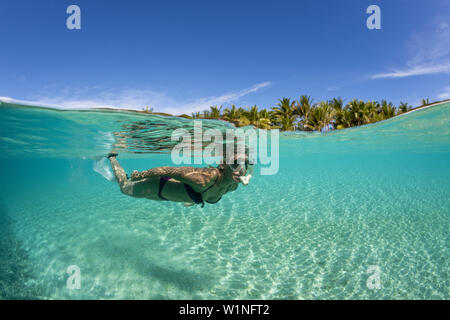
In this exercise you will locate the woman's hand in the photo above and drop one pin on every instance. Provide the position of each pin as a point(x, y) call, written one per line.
point(236, 176)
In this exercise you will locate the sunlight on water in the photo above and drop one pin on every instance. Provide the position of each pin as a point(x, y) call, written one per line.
point(341, 202)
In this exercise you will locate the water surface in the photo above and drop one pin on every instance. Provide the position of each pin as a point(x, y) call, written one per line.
point(341, 202)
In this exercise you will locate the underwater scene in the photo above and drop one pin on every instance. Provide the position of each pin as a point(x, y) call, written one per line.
point(342, 204)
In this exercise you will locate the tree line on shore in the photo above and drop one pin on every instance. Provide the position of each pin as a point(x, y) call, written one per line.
point(305, 115)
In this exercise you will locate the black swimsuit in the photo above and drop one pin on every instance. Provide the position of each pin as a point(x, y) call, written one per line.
point(195, 196)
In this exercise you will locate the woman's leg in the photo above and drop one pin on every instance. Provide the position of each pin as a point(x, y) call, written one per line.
point(126, 186)
point(144, 188)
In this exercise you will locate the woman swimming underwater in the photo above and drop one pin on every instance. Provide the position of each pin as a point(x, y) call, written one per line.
point(182, 184)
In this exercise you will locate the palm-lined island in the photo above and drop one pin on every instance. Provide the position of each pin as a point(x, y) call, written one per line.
point(306, 115)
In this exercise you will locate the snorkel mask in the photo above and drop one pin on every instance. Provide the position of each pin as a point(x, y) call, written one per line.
point(245, 171)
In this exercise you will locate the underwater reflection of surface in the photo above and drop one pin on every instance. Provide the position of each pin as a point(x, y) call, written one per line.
point(155, 134)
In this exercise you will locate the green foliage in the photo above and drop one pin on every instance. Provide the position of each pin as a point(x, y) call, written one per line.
point(231, 114)
point(303, 111)
point(425, 102)
point(283, 114)
point(305, 115)
point(320, 116)
point(195, 115)
point(403, 107)
point(215, 112)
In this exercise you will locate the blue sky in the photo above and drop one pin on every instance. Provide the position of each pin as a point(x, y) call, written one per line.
point(183, 56)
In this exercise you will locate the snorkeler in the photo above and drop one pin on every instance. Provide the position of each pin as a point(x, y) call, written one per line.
point(182, 184)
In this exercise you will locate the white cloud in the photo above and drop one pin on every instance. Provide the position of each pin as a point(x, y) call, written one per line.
point(125, 99)
point(414, 71)
point(6, 99)
point(133, 99)
point(205, 103)
point(428, 53)
point(442, 26)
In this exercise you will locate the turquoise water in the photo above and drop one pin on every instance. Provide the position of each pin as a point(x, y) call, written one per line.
point(341, 202)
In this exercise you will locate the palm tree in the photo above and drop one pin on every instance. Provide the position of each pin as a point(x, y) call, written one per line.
point(231, 114)
point(240, 112)
point(206, 114)
point(303, 109)
point(320, 117)
point(263, 113)
point(252, 114)
point(328, 113)
point(324, 115)
point(215, 112)
point(337, 103)
point(425, 102)
point(286, 123)
point(388, 110)
point(264, 119)
point(372, 111)
point(403, 107)
point(315, 119)
point(284, 114)
point(357, 112)
point(343, 119)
